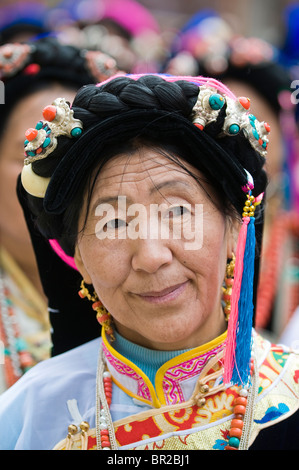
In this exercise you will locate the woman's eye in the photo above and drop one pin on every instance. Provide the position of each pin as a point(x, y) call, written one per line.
point(177, 211)
point(115, 224)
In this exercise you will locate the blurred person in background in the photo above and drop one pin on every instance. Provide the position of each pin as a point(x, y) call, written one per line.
point(124, 29)
point(289, 57)
point(33, 74)
point(22, 21)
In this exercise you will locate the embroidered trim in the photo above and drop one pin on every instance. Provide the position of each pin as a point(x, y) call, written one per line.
point(169, 378)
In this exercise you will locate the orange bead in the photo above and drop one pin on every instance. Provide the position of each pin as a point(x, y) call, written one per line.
point(240, 401)
point(245, 102)
point(239, 416)
point(237, 423)
point(235, 432)
point(97, 304)
point(240, 409)
point(106, 444)
point(31, 133)
point(49, 112)
point(103, 318)
point(230, 448)
point(267, 127)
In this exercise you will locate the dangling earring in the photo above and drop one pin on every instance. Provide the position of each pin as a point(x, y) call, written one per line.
point(227, 290)
point(103, 316)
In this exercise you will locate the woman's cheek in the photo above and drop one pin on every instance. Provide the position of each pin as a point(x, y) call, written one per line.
point(108, 266)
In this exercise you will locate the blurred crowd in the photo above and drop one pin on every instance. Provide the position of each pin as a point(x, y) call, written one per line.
point(46, 52)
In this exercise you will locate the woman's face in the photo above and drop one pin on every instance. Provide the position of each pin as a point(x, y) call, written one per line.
point(158, 272)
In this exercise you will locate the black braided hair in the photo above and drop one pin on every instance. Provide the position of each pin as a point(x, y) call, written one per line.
point(113, 115)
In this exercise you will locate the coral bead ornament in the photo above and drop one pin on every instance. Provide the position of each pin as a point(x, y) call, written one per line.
point(58, 120)
point(237, 423)
point(49, 113)
point(267, 127)
point(245, 102)
point(31, 134)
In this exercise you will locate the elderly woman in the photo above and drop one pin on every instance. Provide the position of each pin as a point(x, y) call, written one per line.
point(152, 186)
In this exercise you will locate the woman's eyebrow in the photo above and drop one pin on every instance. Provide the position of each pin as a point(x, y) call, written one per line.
point(170, 184)
point(157, 187)
point(108, 200)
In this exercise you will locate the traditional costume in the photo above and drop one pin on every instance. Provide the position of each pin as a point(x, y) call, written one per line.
point(165, 402)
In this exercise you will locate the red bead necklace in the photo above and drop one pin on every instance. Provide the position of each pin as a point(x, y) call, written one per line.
point(237, 423)
point(17, 358)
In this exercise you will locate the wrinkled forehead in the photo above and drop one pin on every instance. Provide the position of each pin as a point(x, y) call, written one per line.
point(144, 167)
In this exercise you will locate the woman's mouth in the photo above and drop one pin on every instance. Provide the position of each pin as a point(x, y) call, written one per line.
point(165, 295)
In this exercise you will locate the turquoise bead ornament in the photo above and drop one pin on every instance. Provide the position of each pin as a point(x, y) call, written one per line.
point(234, 129)
point(58, 120)
point(76, 132)
point(234, 442)
point(46, 142)
point(216, 101)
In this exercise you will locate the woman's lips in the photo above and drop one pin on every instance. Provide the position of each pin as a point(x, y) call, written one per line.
point(165, 295)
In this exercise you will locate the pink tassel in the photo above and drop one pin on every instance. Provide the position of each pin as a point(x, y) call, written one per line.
point(229, 355)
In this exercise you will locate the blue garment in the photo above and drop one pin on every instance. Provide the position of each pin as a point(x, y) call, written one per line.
point(34, 412)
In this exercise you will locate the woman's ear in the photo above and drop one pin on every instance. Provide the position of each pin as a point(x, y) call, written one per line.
point(234, 226)
point(80, 266)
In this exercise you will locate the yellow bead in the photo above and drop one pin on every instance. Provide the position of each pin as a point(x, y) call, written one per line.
point(201, 402)
point(84, 426)
point(204, 388)
point(251, 214)
point(72, 429)
point(247, 203)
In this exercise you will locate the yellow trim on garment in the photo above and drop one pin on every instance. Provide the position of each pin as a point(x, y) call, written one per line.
point(186, 356)
point(157, 395)
point(155, 402)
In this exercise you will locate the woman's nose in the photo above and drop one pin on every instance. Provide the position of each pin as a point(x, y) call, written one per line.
point(150, 255)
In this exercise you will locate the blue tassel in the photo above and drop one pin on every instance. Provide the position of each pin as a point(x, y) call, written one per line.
point(241, 371)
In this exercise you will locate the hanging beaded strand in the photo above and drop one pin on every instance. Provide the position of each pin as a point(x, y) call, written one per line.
point(237, 422)
point(17, 358)
point(240, 429)
point(103, 316)
point(227, 290)
point(105, 435)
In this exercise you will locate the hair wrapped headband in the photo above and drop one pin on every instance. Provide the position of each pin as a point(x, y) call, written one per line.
point(59, 121)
